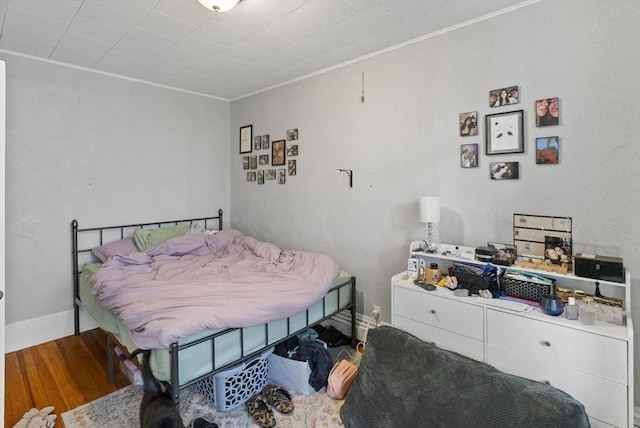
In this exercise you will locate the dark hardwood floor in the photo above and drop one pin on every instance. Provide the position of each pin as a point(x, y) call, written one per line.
point(64, 373)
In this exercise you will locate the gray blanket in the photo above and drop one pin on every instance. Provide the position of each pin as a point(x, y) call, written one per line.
point(405, 382)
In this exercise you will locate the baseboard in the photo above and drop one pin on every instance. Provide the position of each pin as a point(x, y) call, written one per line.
point(342, 322)
point(32, 332)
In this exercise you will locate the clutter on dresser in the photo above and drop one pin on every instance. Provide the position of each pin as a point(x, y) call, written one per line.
point(526, 285)
point(599, 267)
point(475, 278)
point(543, 238)
point(503, 254)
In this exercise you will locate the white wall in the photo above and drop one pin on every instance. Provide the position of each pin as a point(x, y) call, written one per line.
point(403, 143)
point(104, 151)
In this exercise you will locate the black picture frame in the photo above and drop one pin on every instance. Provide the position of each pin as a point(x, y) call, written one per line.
point(278, 153)
point(504, 132)
point(246, 139)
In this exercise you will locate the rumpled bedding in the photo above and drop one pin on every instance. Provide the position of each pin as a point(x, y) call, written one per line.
point(196, 282)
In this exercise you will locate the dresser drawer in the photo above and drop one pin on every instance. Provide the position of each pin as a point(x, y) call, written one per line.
point(603, 399)
point(444, 339)
point(589, 353)
point(455, 316)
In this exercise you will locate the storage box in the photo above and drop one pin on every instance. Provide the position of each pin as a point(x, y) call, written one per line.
point(291, 374)
point(128, 367)
point(230, 388)
point(599, 267)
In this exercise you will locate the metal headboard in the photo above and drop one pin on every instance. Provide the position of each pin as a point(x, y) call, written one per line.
point(96, 237)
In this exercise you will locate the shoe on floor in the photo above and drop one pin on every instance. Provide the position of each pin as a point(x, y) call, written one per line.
point(260, 412)
point(202, 423)
point(278, 397)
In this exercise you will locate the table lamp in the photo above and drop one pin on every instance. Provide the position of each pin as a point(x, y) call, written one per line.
point(430, 213)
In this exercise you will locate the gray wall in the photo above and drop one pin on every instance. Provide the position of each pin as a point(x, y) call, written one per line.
point(403, 143)
point(101, 150)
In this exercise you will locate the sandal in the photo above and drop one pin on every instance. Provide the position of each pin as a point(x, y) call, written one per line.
point(260, 412)
point(202, 423)
point(279, 398)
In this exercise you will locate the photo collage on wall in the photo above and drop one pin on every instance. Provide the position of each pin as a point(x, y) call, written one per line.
point(505, 133)
point(273, 160)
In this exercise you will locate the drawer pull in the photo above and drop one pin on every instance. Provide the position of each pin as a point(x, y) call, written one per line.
point(546, 343)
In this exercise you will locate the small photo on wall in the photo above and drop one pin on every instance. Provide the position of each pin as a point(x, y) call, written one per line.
point(292, 150)
point(270, 174)
point(469, 124)
point(245, 162)
point(504, 170)
point(263, 160)
point(253, 162)
point(291, 167)
point(265, 141)
point(260, 176)
point(282, 176)
point(251, 176)
point(469, 155)
point(292, 134)
point(257, 143)
point(547, 150)
point(504, 96)
point(547, 112)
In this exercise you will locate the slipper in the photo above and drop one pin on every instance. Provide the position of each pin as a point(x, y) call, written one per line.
point(260, 411)
point(202, 423)
point(278, 397)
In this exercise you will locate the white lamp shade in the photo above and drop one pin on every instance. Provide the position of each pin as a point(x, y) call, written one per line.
point(430, 209)
point(219, 5)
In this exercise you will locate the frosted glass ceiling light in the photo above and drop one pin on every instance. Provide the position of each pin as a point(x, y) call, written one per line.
point(219, 5)
point(430, 213)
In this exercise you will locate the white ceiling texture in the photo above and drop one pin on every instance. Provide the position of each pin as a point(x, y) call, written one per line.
point(258, 45)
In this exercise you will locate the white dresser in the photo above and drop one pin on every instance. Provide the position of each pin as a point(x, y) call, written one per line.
point(593, 363)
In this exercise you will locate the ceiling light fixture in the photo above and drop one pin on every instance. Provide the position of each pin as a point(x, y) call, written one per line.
point(219, 5)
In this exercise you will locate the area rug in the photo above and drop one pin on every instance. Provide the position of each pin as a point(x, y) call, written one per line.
point(120, 409)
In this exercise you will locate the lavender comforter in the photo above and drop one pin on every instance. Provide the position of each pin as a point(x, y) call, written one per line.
point(196, 282)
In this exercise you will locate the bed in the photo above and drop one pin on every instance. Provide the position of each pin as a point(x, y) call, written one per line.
point(180, 360)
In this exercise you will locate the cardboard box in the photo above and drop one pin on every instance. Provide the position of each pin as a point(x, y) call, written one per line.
point(599, 267)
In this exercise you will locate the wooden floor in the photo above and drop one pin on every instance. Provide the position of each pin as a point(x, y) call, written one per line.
point(64, 373)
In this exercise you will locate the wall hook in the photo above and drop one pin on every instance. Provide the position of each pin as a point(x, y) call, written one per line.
point(350, 174)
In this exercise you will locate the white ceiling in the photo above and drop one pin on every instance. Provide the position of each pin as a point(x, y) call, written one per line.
point(257, 45)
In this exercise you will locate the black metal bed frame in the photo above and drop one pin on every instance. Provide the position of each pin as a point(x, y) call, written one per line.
point(175, 348)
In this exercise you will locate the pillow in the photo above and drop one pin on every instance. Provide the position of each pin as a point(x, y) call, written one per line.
point(149, 238)
point(124, 247)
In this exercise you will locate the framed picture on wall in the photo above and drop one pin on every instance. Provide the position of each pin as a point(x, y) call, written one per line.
point(547, 150)
point(469, 124)
point(257, 143)
point(277, 152)
point(246, 139)
point(547, 112)
point(504, 170)
point(505, 132)
point(503, 96)
point(469, 155)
